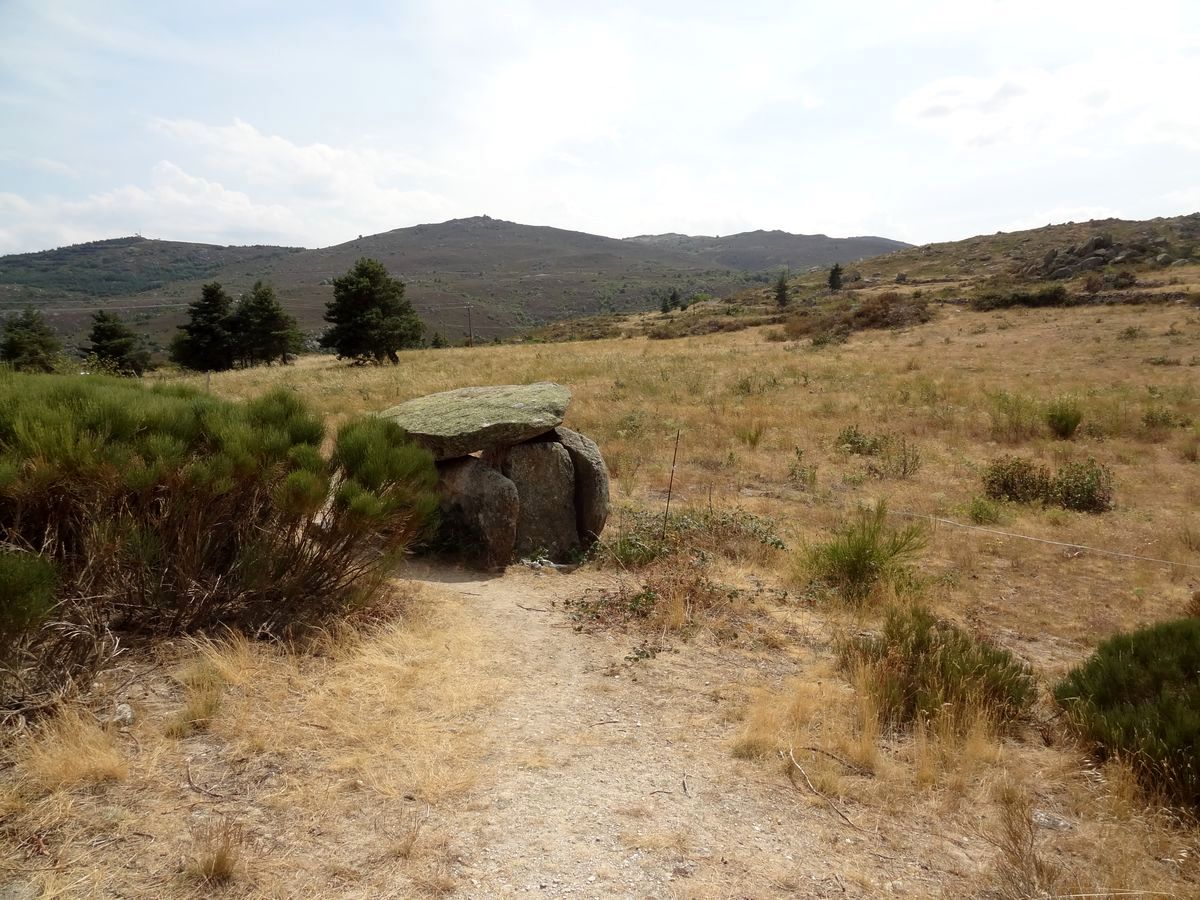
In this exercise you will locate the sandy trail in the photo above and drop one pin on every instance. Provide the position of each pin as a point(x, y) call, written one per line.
point(608, 777)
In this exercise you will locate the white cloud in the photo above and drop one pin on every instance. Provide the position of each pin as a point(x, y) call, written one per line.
point(1073, 109)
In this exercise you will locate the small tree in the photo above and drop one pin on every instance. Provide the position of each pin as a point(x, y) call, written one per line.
point(206, 343)
point(370, 317)
point(116, 346)
point(835, 277)
point(437, 342)
point(781, 289)
point(262, 331)
point(674, 300)
point(28, 344)
point(665, 306)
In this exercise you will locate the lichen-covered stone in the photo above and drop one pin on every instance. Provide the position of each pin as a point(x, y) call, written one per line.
point(455, 423)
point(592, 502)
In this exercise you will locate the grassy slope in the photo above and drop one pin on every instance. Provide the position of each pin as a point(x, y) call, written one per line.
point(925, 794)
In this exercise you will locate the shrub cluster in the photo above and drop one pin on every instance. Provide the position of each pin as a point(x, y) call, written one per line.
point(1138, 697)
point(864, 552)
point(887, 310)
point(894, 456)
point(1081, 486)
point(920, 668)
point(1051, 295)
point(166, 510)
point(1063, 416)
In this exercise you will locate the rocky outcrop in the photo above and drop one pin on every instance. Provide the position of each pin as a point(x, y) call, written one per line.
point(455, 423)
point(513, 481)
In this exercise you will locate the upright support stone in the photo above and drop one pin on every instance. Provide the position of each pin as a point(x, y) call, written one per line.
point(479, 509)
point(545, 481)
point(592, 503)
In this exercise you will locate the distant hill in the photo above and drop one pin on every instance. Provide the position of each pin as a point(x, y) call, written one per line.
point(761, 250)
point(514, 276)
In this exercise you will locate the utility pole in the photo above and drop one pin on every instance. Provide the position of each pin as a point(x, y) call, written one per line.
point(470, 328)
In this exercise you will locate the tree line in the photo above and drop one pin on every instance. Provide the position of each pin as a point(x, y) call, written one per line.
point(370, 321)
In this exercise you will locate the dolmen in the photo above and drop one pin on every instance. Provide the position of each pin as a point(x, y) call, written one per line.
point(514, 483)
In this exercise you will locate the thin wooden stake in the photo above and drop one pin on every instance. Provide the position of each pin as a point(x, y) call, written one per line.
point(670, 485)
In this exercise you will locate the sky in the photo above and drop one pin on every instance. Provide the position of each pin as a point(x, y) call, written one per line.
point(308, 124)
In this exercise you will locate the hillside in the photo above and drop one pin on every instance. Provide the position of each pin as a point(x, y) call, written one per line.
point(515, 276)
point(760, 250)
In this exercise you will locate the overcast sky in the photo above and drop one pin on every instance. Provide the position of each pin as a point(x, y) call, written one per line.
point(310, 123)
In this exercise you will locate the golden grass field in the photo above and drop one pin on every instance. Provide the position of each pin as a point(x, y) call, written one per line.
point(751, 411)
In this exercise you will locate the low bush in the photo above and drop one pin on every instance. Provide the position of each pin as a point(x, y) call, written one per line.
point(852, 439)
point(1084, 487)
point(863, 553)
point(920, 668)
point(1138, 698)
point(1081, 486)
point(887, 310)
point(1050, 295)
point(983, 512)
point(1063, 416)
point(166, 510)
point(1016, 479)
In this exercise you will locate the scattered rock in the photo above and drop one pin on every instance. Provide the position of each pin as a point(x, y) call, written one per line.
point(1181, 262)
point(1163, 259)
point(123, 715)
point(592, 503)
point(1045, 819)
point(901, 278)
point(479, 509)
point(545, 482)
point(456, 423)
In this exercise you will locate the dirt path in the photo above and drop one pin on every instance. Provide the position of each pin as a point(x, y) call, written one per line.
point(613, 778)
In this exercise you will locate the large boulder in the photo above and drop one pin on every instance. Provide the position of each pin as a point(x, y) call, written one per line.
point(479, 511)
point(545, 481)
point(455, 423)
point(592, 503)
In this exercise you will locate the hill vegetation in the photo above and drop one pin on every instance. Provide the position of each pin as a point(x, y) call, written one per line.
point(516, 276)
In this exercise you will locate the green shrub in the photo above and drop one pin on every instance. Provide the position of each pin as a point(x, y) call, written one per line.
point(864, 552)
point(1051, 295)
point(983, 512)
point(852, 439)
point(1138, 697)
point(165, 509)
point(1063, 416)
point(1016, 479)
point(920, 668)
point(1084, 487)
point(1081, 486)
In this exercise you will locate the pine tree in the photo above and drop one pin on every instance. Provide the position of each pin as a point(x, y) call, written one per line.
point(28, 344)
point(674, 299)
point(835, 277)
point(262, 331)
point(437, 342)
point(370, 317)
point(781, 289)
point(206, 343)
point(116, 346)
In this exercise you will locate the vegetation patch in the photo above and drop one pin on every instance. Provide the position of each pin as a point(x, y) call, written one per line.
point(887, 310)
point(920, 668)
point(863, 553)
point(167, 510)
point(1081, 486)
point(1138, 698)
point(644, 537)
point(1051, 295)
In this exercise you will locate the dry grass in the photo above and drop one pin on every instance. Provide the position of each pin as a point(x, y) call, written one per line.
point(335, 763)
point(316, 751)
point(69, 750)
